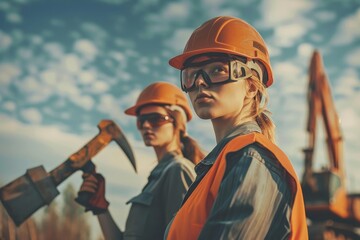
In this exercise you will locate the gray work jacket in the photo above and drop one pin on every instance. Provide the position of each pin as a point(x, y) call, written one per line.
point(160, 199)
point(254, 198)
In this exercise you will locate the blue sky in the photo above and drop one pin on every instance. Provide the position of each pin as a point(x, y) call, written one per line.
point(65, 65)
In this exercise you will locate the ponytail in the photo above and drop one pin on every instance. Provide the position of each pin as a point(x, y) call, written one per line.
point(191, 149)
point(259, 109)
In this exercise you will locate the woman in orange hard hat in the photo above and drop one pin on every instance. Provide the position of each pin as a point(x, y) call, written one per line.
point(162, 111)
point(246, 188)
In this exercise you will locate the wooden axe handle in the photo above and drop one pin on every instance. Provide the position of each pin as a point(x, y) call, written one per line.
point(108, 131)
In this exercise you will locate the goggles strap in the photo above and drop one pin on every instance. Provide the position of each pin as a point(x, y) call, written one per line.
point(182, 113)
point(253, 65)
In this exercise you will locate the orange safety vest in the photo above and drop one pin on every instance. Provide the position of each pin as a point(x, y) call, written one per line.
point(192, 216)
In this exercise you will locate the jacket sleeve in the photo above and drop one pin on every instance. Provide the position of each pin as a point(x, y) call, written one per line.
point(253, 200)
point(176, 183)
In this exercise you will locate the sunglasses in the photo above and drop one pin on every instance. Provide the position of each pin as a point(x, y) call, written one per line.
point(214, 71)
point(154, 119)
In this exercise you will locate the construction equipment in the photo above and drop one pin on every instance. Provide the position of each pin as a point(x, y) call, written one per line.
point(333, 213)
point(26, 194)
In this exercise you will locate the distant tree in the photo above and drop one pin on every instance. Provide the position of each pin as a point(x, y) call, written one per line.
point(50, 224)
point(71, 224)
point(73, 219)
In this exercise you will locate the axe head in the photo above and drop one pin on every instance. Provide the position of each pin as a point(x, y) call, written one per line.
point(26, 194)
point(119, 137)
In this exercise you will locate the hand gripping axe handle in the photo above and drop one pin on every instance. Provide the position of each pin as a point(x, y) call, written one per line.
point(26, 194)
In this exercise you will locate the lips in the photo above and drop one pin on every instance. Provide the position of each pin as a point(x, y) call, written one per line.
point(148, 134)
point(203, 97)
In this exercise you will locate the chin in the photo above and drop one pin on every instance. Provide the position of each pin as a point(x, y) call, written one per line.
point(204, 114)
point(148, 143)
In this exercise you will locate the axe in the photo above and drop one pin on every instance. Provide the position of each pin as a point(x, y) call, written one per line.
point(26, 194)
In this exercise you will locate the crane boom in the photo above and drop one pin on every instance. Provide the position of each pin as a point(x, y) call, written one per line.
point(325, 193)
point(321, 105)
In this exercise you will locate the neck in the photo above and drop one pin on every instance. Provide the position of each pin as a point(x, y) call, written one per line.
point(162, 150)
point(223, 126)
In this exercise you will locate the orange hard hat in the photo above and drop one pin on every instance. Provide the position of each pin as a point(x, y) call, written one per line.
point(162, 93)
point(226, 35)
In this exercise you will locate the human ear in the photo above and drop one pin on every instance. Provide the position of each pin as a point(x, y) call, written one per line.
point(251, 90)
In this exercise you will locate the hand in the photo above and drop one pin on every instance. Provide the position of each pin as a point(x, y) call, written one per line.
point(92, 193)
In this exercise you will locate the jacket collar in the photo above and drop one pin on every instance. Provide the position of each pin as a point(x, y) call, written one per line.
point(165, 160)
point(242, 129)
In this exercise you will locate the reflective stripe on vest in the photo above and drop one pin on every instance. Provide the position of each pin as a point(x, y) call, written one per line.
point(192, 216)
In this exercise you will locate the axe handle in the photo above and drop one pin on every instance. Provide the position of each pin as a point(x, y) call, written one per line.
point(80, 158)
point(62, 172)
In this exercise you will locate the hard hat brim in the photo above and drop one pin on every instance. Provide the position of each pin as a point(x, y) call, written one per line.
point(134, 109)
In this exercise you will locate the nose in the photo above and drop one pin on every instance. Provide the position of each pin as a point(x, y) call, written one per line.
point(145, 125)
point(200, 80)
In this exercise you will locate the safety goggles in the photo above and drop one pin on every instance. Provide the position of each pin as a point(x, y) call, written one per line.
point(214, 71)
point(154, 119)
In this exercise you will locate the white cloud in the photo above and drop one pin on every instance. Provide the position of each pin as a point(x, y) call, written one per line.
point(175, 11)
point(31, 115)
point(142, 5)
point(4, 6)
point(49, 77)
point(289, 77)
point(347, 83)
point(66, 87)
point(178, 40)
point(349, 118)
point(71, 63)
point(120, 58)
point(36, 39)
point(286, 35)
point(86, 48)
point(99, 87)
point(14, 17)
point(87, 76)
point(83, 101)
point(172, 14)
point(55, 50)
point(325, 16)
point(29, 85)
point(8, 72)
point(305, 50)
point(277, 12)
point(5, 41)
point(348, 30)
point(9, 105)
point(130, 98)
point(110, 105)
point(97, 33)
point(25, 54)
point(353, 58)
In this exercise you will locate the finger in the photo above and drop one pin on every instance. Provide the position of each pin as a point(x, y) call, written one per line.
point(86, 189)
point(93, 185)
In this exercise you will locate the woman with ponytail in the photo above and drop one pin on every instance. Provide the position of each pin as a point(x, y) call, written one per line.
point(162, 112)
point(246, 188)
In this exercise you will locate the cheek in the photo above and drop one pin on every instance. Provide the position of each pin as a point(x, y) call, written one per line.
point(166, 133)
point(192, 96)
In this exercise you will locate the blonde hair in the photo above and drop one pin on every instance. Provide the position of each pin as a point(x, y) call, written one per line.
point(259, 110)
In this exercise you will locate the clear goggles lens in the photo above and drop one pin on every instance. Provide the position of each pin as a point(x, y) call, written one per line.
point(214, 71)
point(154, 119)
